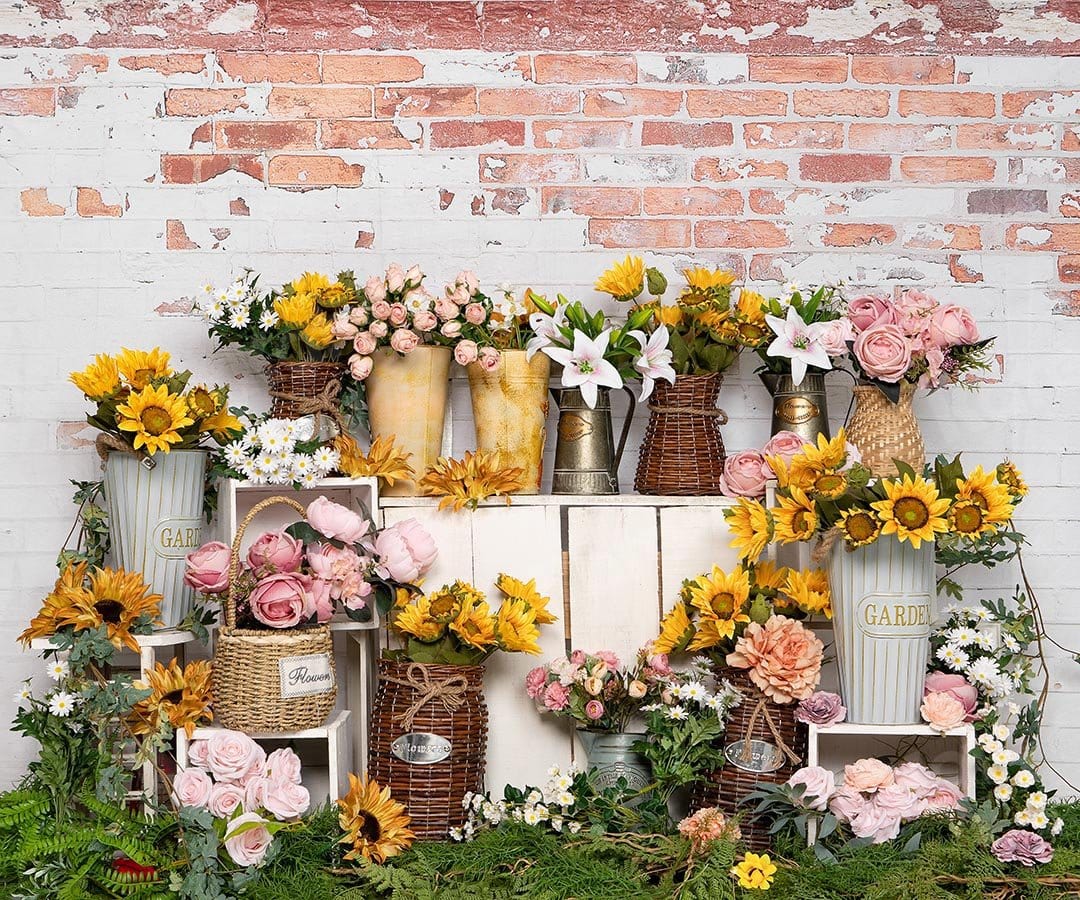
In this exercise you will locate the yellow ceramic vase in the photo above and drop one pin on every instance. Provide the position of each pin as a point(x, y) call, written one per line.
point(407, 398)
point(510, 407)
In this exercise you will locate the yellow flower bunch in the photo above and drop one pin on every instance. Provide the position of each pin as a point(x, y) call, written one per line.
point(384, 459)
point(467, 482)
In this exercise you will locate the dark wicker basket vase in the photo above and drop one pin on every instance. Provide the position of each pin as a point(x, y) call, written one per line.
point(683, 452)
point(726, 786)
point(291, 383)
point(445, 737)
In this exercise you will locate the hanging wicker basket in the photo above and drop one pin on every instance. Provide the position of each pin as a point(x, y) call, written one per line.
point(303, 388)
point(761, 736)
point(265, 680)
point(428, 740)
point(683, 452)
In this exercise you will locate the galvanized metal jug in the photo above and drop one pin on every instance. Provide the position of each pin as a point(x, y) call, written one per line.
point(801, 409)
point(610, 757)
point(586, 458)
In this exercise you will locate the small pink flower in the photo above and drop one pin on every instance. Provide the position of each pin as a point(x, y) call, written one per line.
point(378, 329)
point(466, 352)
point(360, 366)
point(942, 711)
point(475, 314)
point(414, 276)
point(375, 289)
point(490, 358)
point(359, 316)
point(365, 343)
point(405, 551)
point(398, 314)
point(192, 787)
point(594, 709)
point(609, 658)
point(247, 847)
point(743, 475)
point(884, 352)
point(460, 294)
point(381, 310)
point(276, 550)
point(556, 696)
point(404, 341)
point(536, 681)
point(1024, 847)
point(225, 799)
point(207, 569)
point(425, 321)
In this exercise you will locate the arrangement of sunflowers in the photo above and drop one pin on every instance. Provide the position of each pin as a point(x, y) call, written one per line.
point(454, 625)
point(144, 403)
point(824, 492)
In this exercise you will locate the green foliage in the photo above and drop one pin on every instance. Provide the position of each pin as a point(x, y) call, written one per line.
point(92, 525)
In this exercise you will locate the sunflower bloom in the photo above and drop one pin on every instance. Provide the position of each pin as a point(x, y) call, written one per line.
point(318, 333)
point(156, 417)
point(99, 380)
point(719, 597)
point(475, 626)
point(768, 576)
point(180, 696)
point(913, 511)
point(138, 367)
point(752, 525)
point(712, 632)
point(202, 402)
point(515, 625)
point(1009, 475)
point(57, 608)
point(859, 526)
point(824, 456)
point(624, 280)
point(223, 425)
point(750, 319)
point(376, 826)
point(969, 519)
point(705, 285)
point(796, 517)
point(985, 491)
point(516, 589)
point(467, 482)
point(119, 601)
point(676, 630)
point(415, 619)
point(809, 590)
point(295, 311)
point(310, 283)
point(445, 603)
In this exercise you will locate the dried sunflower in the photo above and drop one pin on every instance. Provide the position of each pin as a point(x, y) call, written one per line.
point(57, 608)
point(180, 696)
point(375, 824)
point(118, 600)
point(384, 460)
point(468, 481)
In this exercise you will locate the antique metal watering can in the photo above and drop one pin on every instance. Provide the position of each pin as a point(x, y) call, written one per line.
point(800, 409)
point(586, 458)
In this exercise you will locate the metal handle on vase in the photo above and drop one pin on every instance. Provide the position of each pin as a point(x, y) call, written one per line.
point(627, 423)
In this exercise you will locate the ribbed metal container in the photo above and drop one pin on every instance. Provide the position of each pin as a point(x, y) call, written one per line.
point(883, 607)
point(156, 519)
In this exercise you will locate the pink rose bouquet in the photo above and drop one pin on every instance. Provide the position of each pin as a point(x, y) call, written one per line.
point(488, 324)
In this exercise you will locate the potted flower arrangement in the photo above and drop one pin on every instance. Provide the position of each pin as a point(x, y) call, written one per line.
point(429, 718)
point(154, 426)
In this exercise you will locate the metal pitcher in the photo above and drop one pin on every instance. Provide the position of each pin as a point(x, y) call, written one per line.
point(800, 409)
point(586, 458)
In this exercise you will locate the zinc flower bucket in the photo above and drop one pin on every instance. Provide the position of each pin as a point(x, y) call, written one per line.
point(156, 519)
point(883, 598)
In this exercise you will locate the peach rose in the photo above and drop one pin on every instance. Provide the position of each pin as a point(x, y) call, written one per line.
point(957, 685)
point(446, 309)
point(867, 775)
point(884, 352)
point(489, 359)
point(207, 569)
point(425, 320)
point(466, 352)
point(395, 278)
point(783, 657)
point(414, 276)
point(468, 278)
point(398, 314)
point(247, 847)
point(359, 316)
point(475, 314)
point(381, 310)
point(450, 329)
point(952, 325)
point(404, 341)
point(365, 343)
point(942, 711)
point(379, 330)
point(744, 474)
point(343, 329)
point(375, 289)
point(360, 366)
point(870, 309)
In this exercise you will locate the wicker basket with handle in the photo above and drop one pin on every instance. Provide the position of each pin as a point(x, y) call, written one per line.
point(303, 388)
point(266, 680)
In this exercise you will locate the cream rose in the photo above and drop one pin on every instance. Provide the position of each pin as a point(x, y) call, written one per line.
point(233, 756)
point(247, 839)
point(867, 775)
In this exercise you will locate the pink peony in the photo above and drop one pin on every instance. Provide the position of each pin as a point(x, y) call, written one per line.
point(324, 602)
point(233, 756)
point(360, 366)
point(556, 696)
point(283, 765)
point(489, 359)
point(425, 321)
point(405, 550)
point(870, 309)
point(821, 708)
point(381, 310)
point(846, 803)
point(365, 343)
point(611, 660)
point(942, 711)
point(192, 787)
point(375, 289)
point(875, 822)
point(207, 569)
point(535, 682)
point(466, 352)
point(835, 335)
point(276, 550)
point(952, 325)
point(332, 520)
point(284, 600)
point(398, 314)
point(1024, 847)
point(395, 278)
point(956, 685)
point(404, 341)
point(744, 475)
point(475, 314)
point(867, 775)
point(819, 783)
point(225, 799)
point(594, 710)
point(247, 847)
point(286, 800)
point(884, 352)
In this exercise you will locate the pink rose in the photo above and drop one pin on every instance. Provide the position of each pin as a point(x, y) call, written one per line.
point(1024, 847)
point(489, 359)
point(867, 775)
point(658, 662)
point(916, 778)
point(835, 335)
point(946, 796)
point(225, 799)
point(255, 789)
point(283, 765)
point(375, 289)
point(324, 602)
point(820, 784)
point(952, 325)
point(884, 352)
point(414, 276)
point(333, 520)
point(406, 550)
point(821, 708)
point(276, 550)
point(359, 316)
point(475, 314)
point(381, 310)
point(343, 327)
point(469, 278)
point(450, 329)
point(207, 569)
point(398, 314)
point(249, 846)
point(365, 343)
point(395, 278)
point(876, 823)
point(913, 311)
point(404, 341)
point(744, 474)
point(379, 330)
point(535, 682)
point(360, 366)
point(609, 658)
point(460, 294)
point(594, 709)
point(870, 309)
point(233, 756)
point(283, 600)
point(466, 352)
point(902, 801)
point(192, 787)
point(197, 754)
point(942, 711)
point(957, 685)
point(446, 309)
point(785, 444)
point(556, 696)
point(846, 803)
point(425, 321)
point(286, 800)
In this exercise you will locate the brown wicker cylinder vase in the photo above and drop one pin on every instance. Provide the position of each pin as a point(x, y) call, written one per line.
point(884, 431)
point(777, 747)
point(295, 385)
point(428, 740)
point(683, 452)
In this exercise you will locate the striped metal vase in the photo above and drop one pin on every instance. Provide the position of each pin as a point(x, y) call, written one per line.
point(883, 606)
point(156, 519)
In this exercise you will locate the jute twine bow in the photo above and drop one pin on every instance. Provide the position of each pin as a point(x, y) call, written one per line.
point(450, 692)
point(763, 707)
point(692, 411)
point(322, 404)
point(107, 443)
point(824, 546)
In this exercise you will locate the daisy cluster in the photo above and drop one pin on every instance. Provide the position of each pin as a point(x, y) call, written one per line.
point(552, 806)
point(985, 649)
point(58, 702)
point(280, 451)
point(232, 305)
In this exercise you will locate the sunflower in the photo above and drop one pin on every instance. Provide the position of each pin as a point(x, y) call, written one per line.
point(223, 425)
point(468, 481)
point(671, 315)
point(624, 280)
point(156, 417)
point(796, 518)
point(202, 402)
point(711, 632)
point(118, 600)
point(752, 525)
point(384, 459)
point(376, 825)
point(516, 627)
point(809, 590)
point(750, 319)
point(969, 519)
point(415, 619)
point(56, 609)
point(295, 311)
point(138, 368)
point(859, 526)
point(445, 603)
point(310, 283)
point(516, 589)
point(318, 333)
point(825, 456)
point(99, 380)
point(704, 285)
point(181, 696)
point(474, 625)
point(1009, 475)
point(913, 511)
point(985, 491)
point(768, 576)
point(720, 597)
point(676, 630)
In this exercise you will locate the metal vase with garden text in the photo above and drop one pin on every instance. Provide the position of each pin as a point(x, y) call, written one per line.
point(586, 457)
point(802, 409)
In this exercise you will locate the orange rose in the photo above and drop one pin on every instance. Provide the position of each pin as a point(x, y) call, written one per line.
point(783, 657)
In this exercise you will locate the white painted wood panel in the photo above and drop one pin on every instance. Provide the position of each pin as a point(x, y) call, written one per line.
point(692, 540)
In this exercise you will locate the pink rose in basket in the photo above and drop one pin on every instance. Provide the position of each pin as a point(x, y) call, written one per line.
point(225, 799)
point(744, 475)
point(867, 775)
point(846, 803)
point(884, 352)
point(489, 359)
point(247, 847)
point(952, 325)
point(284, 600)
point(875, 822)
point(835, 335)
point(466, 352)
point(192, 787)
point(333, 520)
point(820, 784)
point(425, 321)
point(365, 343)
point(405, 551)
point(1024, 847)
point(475, 314)
point(870, 309)
point(324, 602)
point(286, 800)
point(207, 569)
point(343, 328)
point(446, 309)
point(233, 756)
point(556, 696)
point(957, 685)
point(398, 314)
point(276, 550)
point(535, 682)
point(283, 765)
point(375, 289)
point(379, 330)
point(360, 366)
point(942, 711)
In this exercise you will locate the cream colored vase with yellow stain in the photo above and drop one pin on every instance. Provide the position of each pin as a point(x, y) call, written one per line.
point(510, 407)
point(883, 598)
point(406, 397)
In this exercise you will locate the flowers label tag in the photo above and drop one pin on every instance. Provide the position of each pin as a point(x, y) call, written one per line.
point(175, 538)
point(306, 676)
point(421, 748)
point(754, 756)
point(894, 615)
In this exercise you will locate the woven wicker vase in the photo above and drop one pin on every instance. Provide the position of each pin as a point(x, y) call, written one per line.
point(293, 382)
point(753, 720)
point(884, 431)
point(428, 740)
point(683, 452)
point(510, 407)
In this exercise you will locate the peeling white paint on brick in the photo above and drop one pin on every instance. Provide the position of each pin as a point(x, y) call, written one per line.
point(81, 20)
point(471, 67)
point(235, 19)
point(1019, 71)
point(863, 17)
point(1032, 236)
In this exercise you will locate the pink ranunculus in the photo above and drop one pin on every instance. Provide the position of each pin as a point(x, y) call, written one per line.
point(450, 329)
point(247, 847)
point(343, 328)
point(469, 278)
point(820, 785)
point(207, 569)
point(946, 796)
point(333, 520)
point(378, 329)
point(466, 352)
point(821, 708)
point(414, 275)
point(233, 756)
point(381, 310)
point(952, 325)
point(556, 696)
point(900, 800)
point(446, 309)
point(395, 278)
point(957, 685)
point(225, 799)
point(475, 314)
point(1024, 847)
point(285, 800)
point(425, 321)
point(255, 792)
point(276, 550)
point(359, 316)
point(404, 340)
point(197, 754)
point(360, 366)
point(365, 343)
point(324, 603)
point(283, 600)
point(536, 681)
point(489, 359)
point(192, 787)
point(942, 711)
point(594, 709)
point(398, 314)
point(870, 309)
point(877, 823)
point(744, 474)
point(284, 765)
point(835, 335)
point(884, 352)
point(375, 289)
point(846, 803)
point(867, 775)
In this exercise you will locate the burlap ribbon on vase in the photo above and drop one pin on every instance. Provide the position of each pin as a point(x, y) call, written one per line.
point(691, 411)
point(324, 403)
point(107, 443)
point(763, 708)
point(450, 692)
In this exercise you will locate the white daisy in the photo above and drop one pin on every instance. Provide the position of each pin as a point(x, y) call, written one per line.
point(326, 458)
point(238, 318)
point(997, 774)
point(694, 690)
point(310, 480)
point(984, 671)
point(234, 454)
point(677, 714)
point(962, 637)
point(983, 641)
point(266, 463)
point(953, 656)
point(714, 702)
point(62, 704)
point(58, 670)
point(268, 320)
point(554, 772)
point(23, 695)
point(1001, 732)
point(1023, 779)
point(652, 707)
point(1037, 800)
point(1003, 792)
point(215, 310)
point(301, 464)
point(1010, 643)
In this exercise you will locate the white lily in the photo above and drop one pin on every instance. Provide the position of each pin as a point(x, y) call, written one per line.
point(547, 331)
point(585, 367)
point(799, 342)
point(655, 360)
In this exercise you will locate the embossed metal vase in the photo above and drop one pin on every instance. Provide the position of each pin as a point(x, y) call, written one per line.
point(801, 409)
point(586, 457)
point(611, 758)
point(883, 598)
